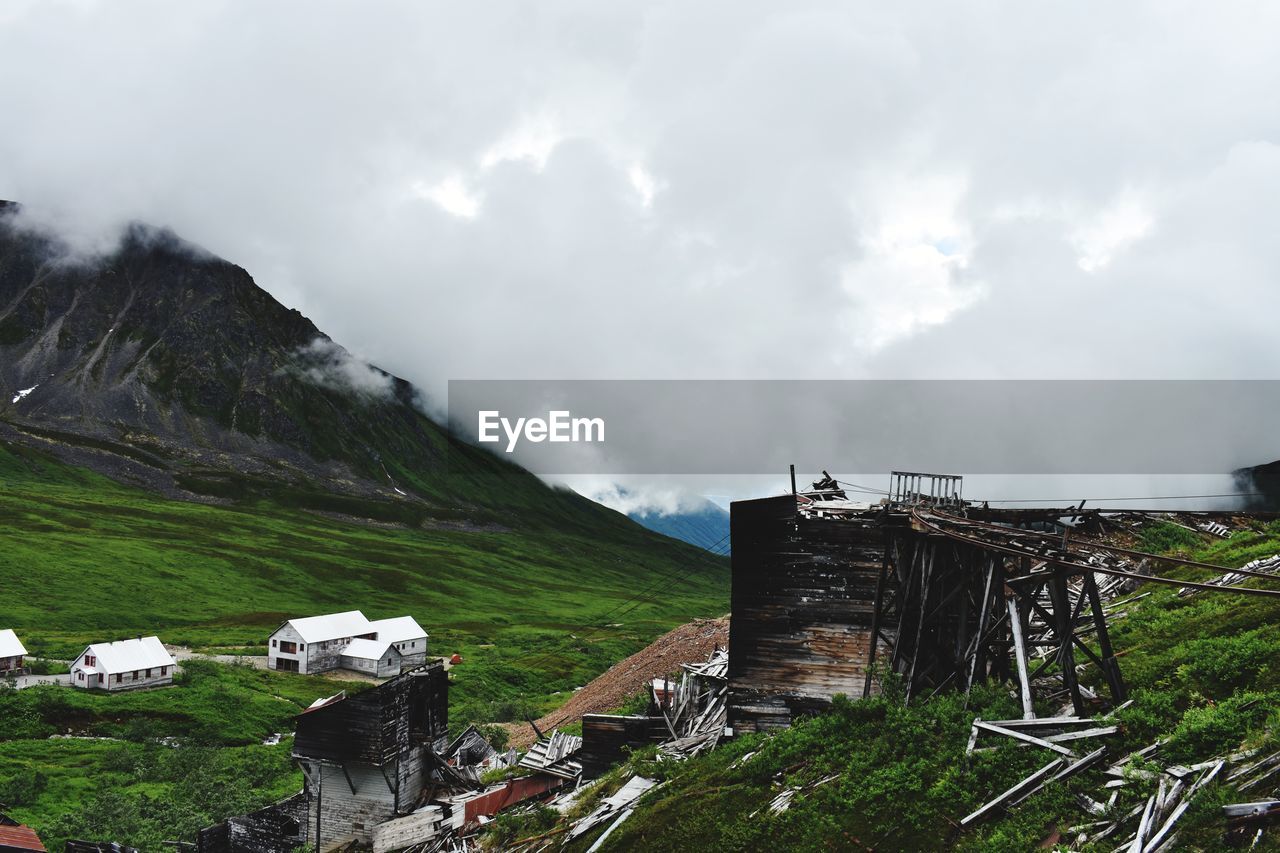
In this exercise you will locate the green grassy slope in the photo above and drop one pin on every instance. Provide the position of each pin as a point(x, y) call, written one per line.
point(1204, 671)
point(537, 602)
point(83, 558)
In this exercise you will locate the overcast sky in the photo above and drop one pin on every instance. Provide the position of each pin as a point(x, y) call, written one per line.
point(664, 190)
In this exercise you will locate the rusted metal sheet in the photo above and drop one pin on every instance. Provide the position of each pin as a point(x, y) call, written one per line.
point(515, 791)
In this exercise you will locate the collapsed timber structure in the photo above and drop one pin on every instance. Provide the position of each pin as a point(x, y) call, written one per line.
point(830, 595)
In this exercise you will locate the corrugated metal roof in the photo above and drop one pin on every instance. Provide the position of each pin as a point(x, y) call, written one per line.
point(331, 626)
point(398, 629)
point(367, 649)
point(129, 655)
point(19, 837)
point(554, 755)
point(10, 646)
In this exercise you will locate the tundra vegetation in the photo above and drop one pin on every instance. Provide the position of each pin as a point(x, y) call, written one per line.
point(536, 603)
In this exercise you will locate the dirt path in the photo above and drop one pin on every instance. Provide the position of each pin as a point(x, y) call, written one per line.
point(688, 643)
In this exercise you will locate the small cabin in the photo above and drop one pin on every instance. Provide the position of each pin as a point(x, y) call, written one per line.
point(379, 658)
point(347, 640)
point(12, 653)
point(123, 665)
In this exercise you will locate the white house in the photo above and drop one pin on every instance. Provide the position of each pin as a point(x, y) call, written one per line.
point(406, 635)
point(123, 665)
point(372, 657)
point(11, 653)
point(349, 641)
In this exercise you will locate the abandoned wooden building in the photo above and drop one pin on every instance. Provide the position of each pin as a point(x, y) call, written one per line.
point(803, 596)
point(12, 653)
point(123, 665)
point(367, 757)
point(817, 576)
point(348, 640)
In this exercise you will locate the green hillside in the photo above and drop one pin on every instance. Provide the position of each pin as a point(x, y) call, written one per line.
point(83, 558)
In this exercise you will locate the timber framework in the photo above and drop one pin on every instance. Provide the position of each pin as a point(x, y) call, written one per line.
point(830, 595)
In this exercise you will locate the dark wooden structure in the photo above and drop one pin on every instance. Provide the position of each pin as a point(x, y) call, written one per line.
point(827, 596)
point(803, 604)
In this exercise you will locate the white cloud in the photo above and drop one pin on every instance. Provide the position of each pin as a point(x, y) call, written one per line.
point(645, 185)
point(532, 141)
point(687, 189)
point(1113, 229)
point(325, 363)
point(453, 195)
point(911, 273)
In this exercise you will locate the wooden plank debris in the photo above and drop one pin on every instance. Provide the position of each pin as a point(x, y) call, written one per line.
point(1024, 737)
point(1025, 785)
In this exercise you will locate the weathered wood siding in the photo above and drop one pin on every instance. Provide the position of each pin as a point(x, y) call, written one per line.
point(387, 666)
point(286, 633)
point(607, 738)
point(366, 755)
point(279, 828)
point(802, 602)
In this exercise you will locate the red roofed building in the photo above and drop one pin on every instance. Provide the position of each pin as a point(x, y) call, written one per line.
point(16, 837)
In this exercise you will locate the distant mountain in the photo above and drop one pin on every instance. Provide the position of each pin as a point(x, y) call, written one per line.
point(164, 366)
point(1263, 482)
point(706, 526)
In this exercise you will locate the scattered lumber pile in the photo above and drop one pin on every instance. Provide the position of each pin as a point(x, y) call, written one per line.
point(555, 755)
point(1269, 565)
point(1148, 826)
point(695, 710)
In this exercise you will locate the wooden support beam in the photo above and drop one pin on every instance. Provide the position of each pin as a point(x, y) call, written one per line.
point(1020, 652)
point(1065, 631)
point(1024, 737)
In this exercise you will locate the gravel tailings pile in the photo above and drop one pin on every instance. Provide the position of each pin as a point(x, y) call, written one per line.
point(689, 643)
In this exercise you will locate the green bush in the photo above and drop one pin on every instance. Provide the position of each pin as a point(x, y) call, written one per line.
point(22, 788)
point(1217, 728)
point(1217, 666)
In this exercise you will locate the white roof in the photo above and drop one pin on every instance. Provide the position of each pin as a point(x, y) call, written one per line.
point(10, 646)
point(128, 655)
point(333, 626)
point(367, 649)
point(399, 629)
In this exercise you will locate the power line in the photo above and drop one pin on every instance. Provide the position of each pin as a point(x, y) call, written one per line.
point(1161, 498)
point(871, 489)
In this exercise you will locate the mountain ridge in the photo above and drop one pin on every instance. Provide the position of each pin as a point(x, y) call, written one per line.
point(162, 365)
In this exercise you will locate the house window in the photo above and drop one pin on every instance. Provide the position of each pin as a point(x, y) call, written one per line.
point(90, 660)
point(79, 676)
point(164, 670)
point(273, 644)
point(302, 645)
point(118, 676)
point(135, 675)
point(148, 673)
point(287, 647)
